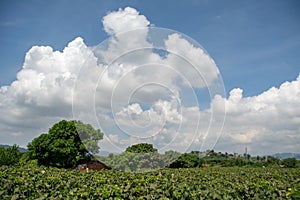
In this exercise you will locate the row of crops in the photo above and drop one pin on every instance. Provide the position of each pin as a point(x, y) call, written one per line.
point(33, 182)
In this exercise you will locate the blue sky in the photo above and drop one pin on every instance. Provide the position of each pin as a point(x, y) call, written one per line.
point(255, 44)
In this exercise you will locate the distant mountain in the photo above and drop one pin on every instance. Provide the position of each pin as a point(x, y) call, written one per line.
point(22, 150)
point(287, 155)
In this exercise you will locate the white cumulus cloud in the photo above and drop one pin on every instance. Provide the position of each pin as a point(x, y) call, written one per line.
point(124, 20)
point(268, 122)
point(133, 93)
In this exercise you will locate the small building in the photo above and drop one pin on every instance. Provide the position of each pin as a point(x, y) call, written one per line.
point(205, 165)
point(93, 165)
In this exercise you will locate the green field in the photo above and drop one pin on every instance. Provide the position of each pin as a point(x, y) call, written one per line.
point(32, 182)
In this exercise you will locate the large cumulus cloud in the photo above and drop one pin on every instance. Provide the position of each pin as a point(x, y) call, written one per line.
point(42, 92)
point(140, 92)
point(268, 122)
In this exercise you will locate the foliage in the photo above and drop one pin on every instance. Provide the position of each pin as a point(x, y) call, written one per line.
point(294, 193)
point(64, 145)
point(272, 161)
point(32, 182)
point(290, 162)
point(9, 156)
point(186, 160)
point(140, 162)
point(134, 160)
point(170, 156)
point(141, 148)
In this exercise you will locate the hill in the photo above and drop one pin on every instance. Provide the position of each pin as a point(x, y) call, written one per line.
point(286, 155)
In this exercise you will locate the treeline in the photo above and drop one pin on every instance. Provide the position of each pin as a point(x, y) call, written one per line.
point(70, 143)
point(219, 159)
point(139, 162)
point(134, 160)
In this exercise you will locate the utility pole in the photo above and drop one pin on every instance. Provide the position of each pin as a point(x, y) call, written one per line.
point(246, 153)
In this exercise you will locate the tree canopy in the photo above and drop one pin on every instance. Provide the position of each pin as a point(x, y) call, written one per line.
point(290, 162)
point(141, 148)
point(66, 144)
point(9, 156)
point(186, 160)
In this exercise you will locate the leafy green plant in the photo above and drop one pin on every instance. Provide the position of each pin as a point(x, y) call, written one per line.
point(34, 182)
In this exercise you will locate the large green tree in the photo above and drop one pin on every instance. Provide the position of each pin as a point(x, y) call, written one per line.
point(66, 144)
point(141, 148)
point(187, 160)
point(138, 158)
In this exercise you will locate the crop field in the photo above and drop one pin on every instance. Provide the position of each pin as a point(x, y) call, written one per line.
point(32, 182)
